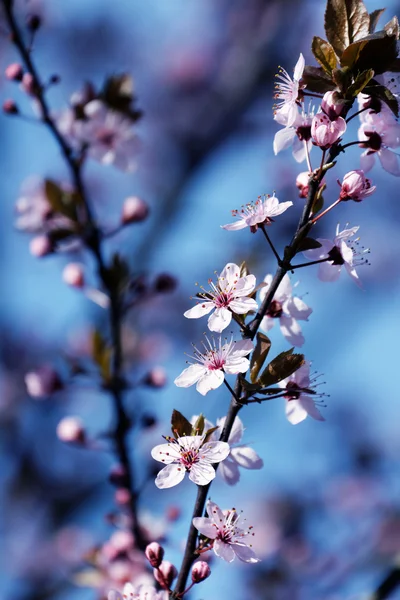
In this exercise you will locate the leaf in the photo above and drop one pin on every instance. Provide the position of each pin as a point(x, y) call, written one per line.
point(61, 201)
point(377, 51)
point(392, 28)
point(374, 18)
point(243, 269)
point(359, 84)
point(260, 353)
point(101, 354)
point(209, 433)
point(324, 54)
point(346, 21)
point(308, 243)
point(384, 94)
point(395, 66)
point(284, 365)
point(316, 80)
point(342, 78)
point(180, 425)
point(117, 93)
point(198, 427)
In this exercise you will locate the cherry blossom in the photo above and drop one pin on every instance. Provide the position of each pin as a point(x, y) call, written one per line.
point(332, 106)
point(340, 254)
point(188, 454)
point(260, 212)
point(288, 309)
point(378, 133)
point(297, 135)
point(216, 360)
point(300, 397)
point(355, 186)
point(325, 132)
point(32, 206)
point(287, 91)
point(229, 295)
point(302, 181)
point(228, 538)
point(142, 592)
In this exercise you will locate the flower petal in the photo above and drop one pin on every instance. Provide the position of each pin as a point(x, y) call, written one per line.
point(199, 310)
point(329, 272)
point(245, 286)
point(239, 224)
point(229, 471)
point(215, 513)
point(389, 161)
point(242, 306)
point(244, 553)
point(236, 365)
point(205, 526)
point(295, 412)
point(367, 160)
point(190, 375)
point(202, 473)
point(242, 348)
point(298, 309)
point(236, 431)
point(224, 551)
point(215, 451)
point(210, 380)
point(165, 453)
point(169, 476)
point(247, 458)
point(219, 320)
point(229, 276)
point(291, 330)
point(284, 139)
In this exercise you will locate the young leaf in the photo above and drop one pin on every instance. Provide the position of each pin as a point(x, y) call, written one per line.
point(324, 54)
point(284, 365)
point(317, 80)
point(101, 354)
point(62, 202)
point(243, 269)
point(346, 21)
point(180, 425)
point(260, 353)
point(392, 27)
point(198, 427)
point(359, 84)
point(118, 272)
point(308, 243)
point(377, 51)
point(209, 433)
point(374, 18)
point(384, 94)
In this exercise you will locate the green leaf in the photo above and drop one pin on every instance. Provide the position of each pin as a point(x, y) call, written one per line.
point(376, 51)
point(198, 427)
point(308, 243)
point(359, 84)
point(324, 54)
point(342, 78)
point(260, 353)
point(346, 21)
point(284, 365)
point(384, 94)
point(374, 18)
point(180, 425)
point(317, 80)
point(101, 353)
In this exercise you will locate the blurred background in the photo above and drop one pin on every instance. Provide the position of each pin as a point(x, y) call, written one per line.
point(326, 505)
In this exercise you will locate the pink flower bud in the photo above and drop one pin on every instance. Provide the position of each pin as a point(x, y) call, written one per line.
point(122, 497)
point(71, 430)
point(9, 107)
point(14, 72)
point(302, 180)
point(165, 574)
point(134, 210)
point(73, 275)
point(156, 378)
point(154, 554)
point(43, 382)
point(28, 84)
point(325, 132)
point(200, 571)
point(332, 106)
point(356, 186)
point(40, 246)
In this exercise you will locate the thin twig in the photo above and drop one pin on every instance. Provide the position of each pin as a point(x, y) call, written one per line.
point(278, 258)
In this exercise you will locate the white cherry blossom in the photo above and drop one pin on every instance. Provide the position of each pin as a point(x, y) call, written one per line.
point(286, 307)
point(297, 135)
point(300, 397)
point(287, 91)
point(228, 537)
point(216, 360)
point(230, 294)
point(188, 454)
point(260, 212)
point(142, 592)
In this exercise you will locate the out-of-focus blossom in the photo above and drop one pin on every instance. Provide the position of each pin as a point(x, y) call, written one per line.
point(40, 246)
point(260, 212)
point(229, 295)
point(156, 378)
point(134, 210)
point(300, 397)
point(73, 275)
point(287, 91)
point(43, 382)
point(32, 206)
point(355, 186)
point(71, 430)
point(378, 133)
point(189, 454)
point(340, 254)
point(225, 531)
point(287, 308)
point(228, 357)
point(154, 554)
point(297, 135)
point(14, 72)
point(142, 592)
point(325, 132)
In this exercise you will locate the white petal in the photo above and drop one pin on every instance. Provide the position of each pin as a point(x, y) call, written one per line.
point(267, 323)
point(279, 208)
point(247, 458)
point(169, 476)
point(298, 309)
point(215, 451)
point(190, 375)
point(309, 406)
point(389, 161)
point(299, 68)
point(242, 306)
point(237, 365)
point(295, 412)
point(284, 139)
point(199, 310)
point(211, 380)
point(229, 276)
point(236, 431)
point(291, 330)
point(244, 553)
point(299, 149)
point(284, 289)
point(239, 224)
point(165, 453)
point(205, 526)
point(245, 286)
point(328, 272)
point(367, 160)
point(219, 320)
point(215, 513)
point(317, 253)
point(202, 473)
point(229, 471)
point(353, 274)
point(242, 348)
point(224, 551)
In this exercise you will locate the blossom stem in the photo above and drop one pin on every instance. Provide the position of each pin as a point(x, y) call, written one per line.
point(357, 143)
point(278, 258)
point(92, 238)
point(260, 400)
point(307, 156)
point(324, 212)
point(231, 390)
point(356, 114)
point(308, 264)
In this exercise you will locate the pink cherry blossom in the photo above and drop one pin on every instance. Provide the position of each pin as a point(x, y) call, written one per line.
point(380, 132)
point(355, 186)
point(297, 135)
point(341, 254)
point(216, 360)
point(287, 91)
point(260, 212)
point(230, 294)
point(325, 132)
point(288, 309)
point(330, 107)
point(300, 397)
point(188, 454)
point(225, 531)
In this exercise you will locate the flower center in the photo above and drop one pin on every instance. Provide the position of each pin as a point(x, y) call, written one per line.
point(374, 142)
point(189, 458)
point(214, 361)
point(336, 256)
point(223, 299)
point(275, 309)
point(304, 133)
point(293, 391)
point(106, 137)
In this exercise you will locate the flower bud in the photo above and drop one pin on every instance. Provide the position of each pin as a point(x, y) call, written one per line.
point(134, 210)
point(355, 186)
point(165, 283)
point(71, 430)
point(325, 132)
point(40, 246)
point(200, 571)
point(332, 106)
point(14, 72)
point(154, 554)
point(9, 107)
point(122, 497)
point(147, 420)
point(43, 382)
point(302, 180)
point(165, 574)
point(156, 378)
point(54, 79)
point(73, 275)
point(28, 84)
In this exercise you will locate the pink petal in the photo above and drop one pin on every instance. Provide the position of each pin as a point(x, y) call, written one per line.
point(367, 161)
point(328, 272)
point(205, 526)
point(298, 309)
point(245, 554)
point(242, 348)
point(215, 513)
point(389, 161)
point(224, 551)
point(239, 224)
point(309, 406)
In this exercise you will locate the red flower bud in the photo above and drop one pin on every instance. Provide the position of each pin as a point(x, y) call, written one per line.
point(200, 571)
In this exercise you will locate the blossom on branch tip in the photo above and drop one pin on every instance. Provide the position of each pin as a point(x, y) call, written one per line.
point(217, 359)
point(287, 308)
point(230, 294)
point(300, 396)
point(287, 91)
point(355, 186)
point(224, 530)
point(188, 454)
point(340, 254)
point(297, 135)
point(255, 214)
point(325, 132)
